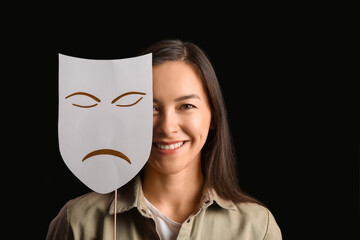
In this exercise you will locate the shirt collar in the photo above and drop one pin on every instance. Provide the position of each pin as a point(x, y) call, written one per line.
point(132, 196)
point(211, 197)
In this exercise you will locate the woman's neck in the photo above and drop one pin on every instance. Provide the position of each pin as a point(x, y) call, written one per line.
point(175, 195)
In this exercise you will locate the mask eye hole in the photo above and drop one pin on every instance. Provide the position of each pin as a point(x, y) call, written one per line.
point(128, 99)
point(83, 99)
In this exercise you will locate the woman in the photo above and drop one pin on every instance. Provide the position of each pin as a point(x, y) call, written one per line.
point(188, 189)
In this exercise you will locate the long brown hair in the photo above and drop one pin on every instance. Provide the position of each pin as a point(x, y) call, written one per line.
point(217, 156)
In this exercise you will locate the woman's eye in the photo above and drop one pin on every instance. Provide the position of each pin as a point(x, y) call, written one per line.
point(187, 106)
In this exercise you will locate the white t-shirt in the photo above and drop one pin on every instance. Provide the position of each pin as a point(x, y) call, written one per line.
point(167, 228)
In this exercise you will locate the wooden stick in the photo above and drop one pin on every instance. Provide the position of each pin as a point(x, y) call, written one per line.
point(115, 208)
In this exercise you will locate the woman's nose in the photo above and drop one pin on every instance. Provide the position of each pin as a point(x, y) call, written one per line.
point(166, 124)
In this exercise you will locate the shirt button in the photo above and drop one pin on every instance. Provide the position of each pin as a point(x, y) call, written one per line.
point(144, 211)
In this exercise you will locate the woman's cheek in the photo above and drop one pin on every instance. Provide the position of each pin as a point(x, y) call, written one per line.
point(197, 126)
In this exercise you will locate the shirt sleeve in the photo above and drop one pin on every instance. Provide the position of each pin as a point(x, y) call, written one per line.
point(59, 226)
point(273, 231)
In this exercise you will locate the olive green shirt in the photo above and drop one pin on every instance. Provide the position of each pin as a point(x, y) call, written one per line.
point(91, 216)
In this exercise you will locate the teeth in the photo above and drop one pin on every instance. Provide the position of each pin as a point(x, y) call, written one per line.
point(171, 146)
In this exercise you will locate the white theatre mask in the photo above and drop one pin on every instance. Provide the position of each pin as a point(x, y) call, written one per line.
point(105, 118)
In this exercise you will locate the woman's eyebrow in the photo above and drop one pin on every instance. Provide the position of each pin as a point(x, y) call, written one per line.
point(182, 98)
point(179, 99)
point(84, 93)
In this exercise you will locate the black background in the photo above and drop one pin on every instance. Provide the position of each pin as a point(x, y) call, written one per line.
point(292, 108)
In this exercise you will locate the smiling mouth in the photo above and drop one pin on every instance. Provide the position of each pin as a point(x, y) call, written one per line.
point(107, 152)
point(169, 146)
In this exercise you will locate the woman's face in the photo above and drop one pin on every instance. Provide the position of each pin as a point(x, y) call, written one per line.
point(181, 118)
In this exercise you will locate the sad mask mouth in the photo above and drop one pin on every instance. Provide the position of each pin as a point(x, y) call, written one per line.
point(107, 152)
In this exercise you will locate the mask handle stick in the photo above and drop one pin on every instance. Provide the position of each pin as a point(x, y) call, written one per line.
point(115, 207)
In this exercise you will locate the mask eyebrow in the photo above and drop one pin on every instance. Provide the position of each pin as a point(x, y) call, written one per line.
point(84, 93)
point(125, 94)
